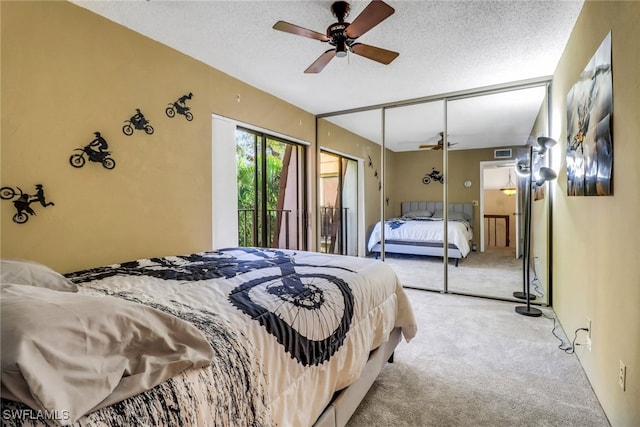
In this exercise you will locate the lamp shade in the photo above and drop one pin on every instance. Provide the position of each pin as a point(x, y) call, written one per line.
point(522, 167)
point(546, 142)
point(545, 174)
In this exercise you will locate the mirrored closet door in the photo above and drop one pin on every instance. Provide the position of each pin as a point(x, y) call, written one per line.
point(414, 192)
point(488, 131)
point(457, 151)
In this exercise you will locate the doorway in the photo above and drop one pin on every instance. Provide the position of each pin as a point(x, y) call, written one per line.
point(499, 207)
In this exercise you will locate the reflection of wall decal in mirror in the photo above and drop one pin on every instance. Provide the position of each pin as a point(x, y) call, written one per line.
point(180, 107)
point(375, 173)
point(387, 200)
point(370, 162)
point(138, 122)
point(434, 175)
point(23, 201)
point(589, 139)
point(379, 185)
point(95, 151)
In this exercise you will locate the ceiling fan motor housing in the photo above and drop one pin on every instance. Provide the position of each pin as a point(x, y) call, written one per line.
point(336, 32)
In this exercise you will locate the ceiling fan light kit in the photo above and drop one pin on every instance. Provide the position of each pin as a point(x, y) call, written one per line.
point(342, 35)
point(510, 188)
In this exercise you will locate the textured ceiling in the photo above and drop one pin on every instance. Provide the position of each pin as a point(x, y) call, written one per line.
point(444, 46)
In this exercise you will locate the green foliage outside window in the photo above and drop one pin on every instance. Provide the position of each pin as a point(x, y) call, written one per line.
point(248, 205)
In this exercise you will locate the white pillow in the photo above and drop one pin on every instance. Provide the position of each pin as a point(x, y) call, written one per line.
point(74, 353)
point(453, 216)
point(418, 214)
point(24, 272)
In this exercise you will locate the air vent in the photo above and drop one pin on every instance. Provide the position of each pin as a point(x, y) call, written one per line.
point(503, 153)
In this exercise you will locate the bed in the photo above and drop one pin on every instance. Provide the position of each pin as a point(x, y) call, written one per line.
point(420, 231)
point(238, 336)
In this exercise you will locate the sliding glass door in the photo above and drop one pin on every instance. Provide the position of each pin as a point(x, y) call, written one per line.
point(270, 175)
point(338, 198)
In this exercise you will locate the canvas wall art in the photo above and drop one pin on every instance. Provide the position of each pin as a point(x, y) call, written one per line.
point(589, 128)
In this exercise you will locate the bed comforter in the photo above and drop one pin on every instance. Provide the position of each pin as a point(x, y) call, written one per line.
point(288, 329)
point(424, 230)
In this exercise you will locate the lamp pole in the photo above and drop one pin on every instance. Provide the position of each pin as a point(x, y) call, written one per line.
point(528, 310)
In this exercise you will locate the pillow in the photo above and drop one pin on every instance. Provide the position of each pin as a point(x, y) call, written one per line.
point(437, 214)
point(74, 353)
point(458, 216)
point(453, 216)
point(418, 214)
point(23, 272)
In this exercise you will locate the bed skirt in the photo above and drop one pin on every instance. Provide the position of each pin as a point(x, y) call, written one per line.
point(346, 401)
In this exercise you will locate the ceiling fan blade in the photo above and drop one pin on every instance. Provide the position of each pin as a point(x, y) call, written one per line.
point(378, 54)
point(375, 12)
point(321, 62)
point(299, 31)
point(429, 147)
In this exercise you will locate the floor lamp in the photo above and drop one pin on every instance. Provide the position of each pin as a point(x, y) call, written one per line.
point(543, 174)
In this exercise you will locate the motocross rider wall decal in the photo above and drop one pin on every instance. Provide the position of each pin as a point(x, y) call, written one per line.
point(434, 175)
point(137, 122)
point(22, 201)
point(95, 151)
point(180, 107)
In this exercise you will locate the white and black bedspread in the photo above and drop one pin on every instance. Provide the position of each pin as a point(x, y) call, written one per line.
point(288, 330)
point(424, 230)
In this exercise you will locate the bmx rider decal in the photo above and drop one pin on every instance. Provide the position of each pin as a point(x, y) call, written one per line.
point(22, 201)
point(95, 151)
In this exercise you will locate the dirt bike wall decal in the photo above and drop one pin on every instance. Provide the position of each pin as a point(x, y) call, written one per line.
point(95, 151)
point(22, 201)
point(434, 175)
point(137, 122)
point(180, 107)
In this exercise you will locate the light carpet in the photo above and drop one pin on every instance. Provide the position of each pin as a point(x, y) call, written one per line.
point(475, 362)
point(496, 273)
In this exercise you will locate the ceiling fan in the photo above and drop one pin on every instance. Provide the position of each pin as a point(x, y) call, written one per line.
point(342, 35)
point(438, 145)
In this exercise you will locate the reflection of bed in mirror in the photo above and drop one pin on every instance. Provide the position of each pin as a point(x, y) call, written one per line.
point(420, 231)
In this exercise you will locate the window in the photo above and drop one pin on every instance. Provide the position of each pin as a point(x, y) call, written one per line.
point(271, 202)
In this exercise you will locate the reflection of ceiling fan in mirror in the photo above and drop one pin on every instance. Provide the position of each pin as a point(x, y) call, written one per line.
point(438, 145)
point(342, 35)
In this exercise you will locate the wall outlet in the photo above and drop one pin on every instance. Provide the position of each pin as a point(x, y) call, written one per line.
point(622, 376)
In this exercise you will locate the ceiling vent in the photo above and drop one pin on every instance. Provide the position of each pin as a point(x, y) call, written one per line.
point(502, 153)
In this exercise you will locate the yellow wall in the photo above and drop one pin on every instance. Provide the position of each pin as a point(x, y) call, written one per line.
point(67, 73)
point(595, 240)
